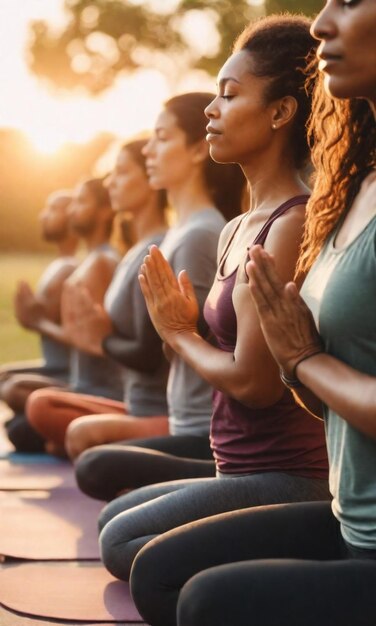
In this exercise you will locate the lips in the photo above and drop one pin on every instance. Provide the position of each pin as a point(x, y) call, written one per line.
point(212, 133)
point(150, 169)
point(327, 57)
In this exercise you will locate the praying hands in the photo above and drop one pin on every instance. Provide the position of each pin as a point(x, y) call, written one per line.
point(287, 323)
point(171, 300)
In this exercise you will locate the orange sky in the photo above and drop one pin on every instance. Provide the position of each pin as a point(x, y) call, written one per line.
point(50, 118)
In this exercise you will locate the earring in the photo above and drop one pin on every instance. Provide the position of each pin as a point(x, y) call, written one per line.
point(274, 126)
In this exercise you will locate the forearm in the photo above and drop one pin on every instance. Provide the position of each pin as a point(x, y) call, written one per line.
point(223, 372)
point(348, 392)
point(131, 354)
point(52, 330)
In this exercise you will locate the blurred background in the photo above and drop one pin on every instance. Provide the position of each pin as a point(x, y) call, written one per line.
point(78, 78)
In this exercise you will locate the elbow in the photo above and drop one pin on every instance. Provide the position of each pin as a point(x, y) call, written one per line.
point(256, 394)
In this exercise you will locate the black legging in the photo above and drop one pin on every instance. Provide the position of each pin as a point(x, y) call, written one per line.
point(282, 565)
point(22, 435)
point(104, 471)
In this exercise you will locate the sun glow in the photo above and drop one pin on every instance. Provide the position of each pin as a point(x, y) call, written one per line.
point(49, 118)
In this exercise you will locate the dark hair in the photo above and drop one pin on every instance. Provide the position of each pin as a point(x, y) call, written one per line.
point(135, 147)
point(102, 197)
point(281, 47)
point(342, 134)
point(225, 181)
point(98, 190)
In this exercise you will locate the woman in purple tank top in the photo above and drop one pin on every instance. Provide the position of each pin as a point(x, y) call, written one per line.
point(271, 450)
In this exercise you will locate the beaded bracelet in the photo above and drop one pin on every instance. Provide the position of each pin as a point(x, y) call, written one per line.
point(294, 382)
point(290, 382)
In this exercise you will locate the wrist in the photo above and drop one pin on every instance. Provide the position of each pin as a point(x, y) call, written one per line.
point(292, 379)
point(176, 339)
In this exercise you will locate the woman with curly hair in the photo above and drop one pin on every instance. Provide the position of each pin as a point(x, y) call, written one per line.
point(309, 563)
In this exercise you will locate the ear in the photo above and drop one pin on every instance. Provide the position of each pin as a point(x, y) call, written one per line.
point(200, 151)
point(283, 111)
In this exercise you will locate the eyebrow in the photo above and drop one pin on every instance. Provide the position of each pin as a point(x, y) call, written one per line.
point(223, 81)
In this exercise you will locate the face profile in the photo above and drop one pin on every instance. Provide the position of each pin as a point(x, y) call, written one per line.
point(347, 50)
point(55, 218)
point(128, 185)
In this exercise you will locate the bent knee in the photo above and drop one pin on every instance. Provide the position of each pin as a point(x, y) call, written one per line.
point(89, 474)
point(38, 405)
point(79, 436)
point(117, 548)
point(9, 391)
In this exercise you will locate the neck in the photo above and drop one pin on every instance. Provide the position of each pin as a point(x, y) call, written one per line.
point(272, 183)
point(149, 220)
point(68, 246)
point(97, 238)
point(188, 198)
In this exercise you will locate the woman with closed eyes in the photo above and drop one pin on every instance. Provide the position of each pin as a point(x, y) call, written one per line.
point(306, 564)
point(267, 449)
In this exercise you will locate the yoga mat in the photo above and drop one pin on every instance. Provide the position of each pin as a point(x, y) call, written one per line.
point(41, 525)
point(34, 471)
point(10, 618)
point(69, 591)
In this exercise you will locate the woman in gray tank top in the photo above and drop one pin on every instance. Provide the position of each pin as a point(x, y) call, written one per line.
point(203, 195)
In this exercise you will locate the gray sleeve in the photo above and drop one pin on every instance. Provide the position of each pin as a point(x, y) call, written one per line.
point(143, 351)
point(198, 256)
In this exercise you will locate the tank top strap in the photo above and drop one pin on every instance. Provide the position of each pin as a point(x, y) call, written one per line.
point(230, 239)
point(263, 233)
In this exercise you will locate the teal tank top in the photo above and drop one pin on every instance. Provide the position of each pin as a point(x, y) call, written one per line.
point(340, 290)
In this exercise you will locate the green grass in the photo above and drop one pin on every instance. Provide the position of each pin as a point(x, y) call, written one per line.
point(15, 342)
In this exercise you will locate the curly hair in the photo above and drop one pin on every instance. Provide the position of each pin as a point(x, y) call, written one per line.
point(282, 47)
point(342, 136)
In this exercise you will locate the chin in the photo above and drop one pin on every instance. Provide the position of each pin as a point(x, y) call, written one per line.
point(218, 157)
point(342, 89)
point(155, 184)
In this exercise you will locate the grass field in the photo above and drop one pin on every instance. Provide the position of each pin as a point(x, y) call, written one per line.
point(15, 342)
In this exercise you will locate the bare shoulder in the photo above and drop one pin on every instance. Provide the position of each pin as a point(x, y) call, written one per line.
point(287, 227)
point(96, 272)
point(55, 275)
point(284, 239)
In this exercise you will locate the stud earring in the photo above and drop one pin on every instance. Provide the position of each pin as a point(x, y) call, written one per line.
point(274, 126)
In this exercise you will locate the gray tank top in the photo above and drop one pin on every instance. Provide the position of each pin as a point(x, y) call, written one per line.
point(56, 355)
point(97, 375)
point(145, 391)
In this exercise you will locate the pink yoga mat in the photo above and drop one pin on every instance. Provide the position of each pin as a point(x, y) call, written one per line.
point(69, 591)
point(18, 474)
point(41, 525)
point(10, 618)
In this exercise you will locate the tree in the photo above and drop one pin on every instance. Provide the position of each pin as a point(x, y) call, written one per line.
point(105, 37)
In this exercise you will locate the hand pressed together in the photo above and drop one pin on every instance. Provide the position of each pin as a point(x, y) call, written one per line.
point(285, 319)
point(170, 300)
point(85, 322)
point(28, 310)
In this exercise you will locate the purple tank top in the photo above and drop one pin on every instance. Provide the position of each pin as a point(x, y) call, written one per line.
point(282, 437)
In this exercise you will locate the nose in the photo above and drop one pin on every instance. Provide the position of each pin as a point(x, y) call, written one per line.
point(147, 149)
point(323, 25)
point(212, 110)
point(108, 180)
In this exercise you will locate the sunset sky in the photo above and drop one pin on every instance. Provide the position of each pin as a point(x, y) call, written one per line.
point(50, 118)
